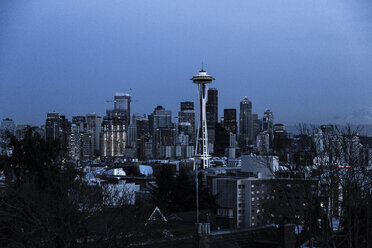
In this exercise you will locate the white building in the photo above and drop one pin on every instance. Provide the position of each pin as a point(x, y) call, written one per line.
point(264, 166)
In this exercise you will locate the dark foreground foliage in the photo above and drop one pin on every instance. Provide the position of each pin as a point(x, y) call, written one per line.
point(46, 202)
point(177, 193)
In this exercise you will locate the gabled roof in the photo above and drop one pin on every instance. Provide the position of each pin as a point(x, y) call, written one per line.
point(157, 215)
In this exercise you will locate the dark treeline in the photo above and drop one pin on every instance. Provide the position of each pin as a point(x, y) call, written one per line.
point(46, 202)
point(177, 193)
point(339, 209)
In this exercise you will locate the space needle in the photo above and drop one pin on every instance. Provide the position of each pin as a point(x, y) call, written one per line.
point(202, 80)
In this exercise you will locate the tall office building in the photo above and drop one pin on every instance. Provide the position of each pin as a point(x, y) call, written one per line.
point(267, 123)
point(229, 117)
point(161, 118)
point(212, 107)
point(52, 126)
point(80, 121)
point(222, 140)
point(187, 106)
point(58, 127)
point(132, 136)
point(7, 125)
point(143, 135)
point(94, 126)
point(20, 131)
point(186, 120)
point(165, 141)
point(65, 130)
point(84, 138)
point(212, 114)
point(256, 126)
point(161, 126)
point(245, 123)
point(122, 104)
point(74, 143)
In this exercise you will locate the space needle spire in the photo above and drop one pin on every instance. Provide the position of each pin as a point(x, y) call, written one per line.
point(202, 79)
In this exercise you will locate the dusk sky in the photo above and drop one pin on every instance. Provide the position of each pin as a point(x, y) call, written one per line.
point(307, 61)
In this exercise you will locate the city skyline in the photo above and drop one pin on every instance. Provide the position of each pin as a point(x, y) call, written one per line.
point(167, 123)
point(307, 62)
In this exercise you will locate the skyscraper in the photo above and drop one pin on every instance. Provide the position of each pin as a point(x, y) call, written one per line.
point(212, 107)
point(80, 121)
point(230, 124)
point(268, 123)
point(115, 125)
point(122, 104)
point(161, 121)
point(7, 124)
point(74, 143)
point(187, 106)
point(212, 114)
point(113, 137)
point(143, 135)
point(161, 118)
point(94, 125)
point(256, 126)
point(245, 123)
point(186, 120)
point(52, 126)
point(132, 136)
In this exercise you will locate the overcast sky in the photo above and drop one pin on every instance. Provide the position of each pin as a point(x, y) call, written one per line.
point(307, 61)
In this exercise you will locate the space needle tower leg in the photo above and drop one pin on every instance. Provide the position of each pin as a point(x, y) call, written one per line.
point(202, 80)
point(203, 89)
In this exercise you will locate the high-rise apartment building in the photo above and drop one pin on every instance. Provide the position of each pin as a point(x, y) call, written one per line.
point(115, 126)
point(113, 137)
point(245, 123)
point(260, 201)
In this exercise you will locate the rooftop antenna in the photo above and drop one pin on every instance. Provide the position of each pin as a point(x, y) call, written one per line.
point(202, 66)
